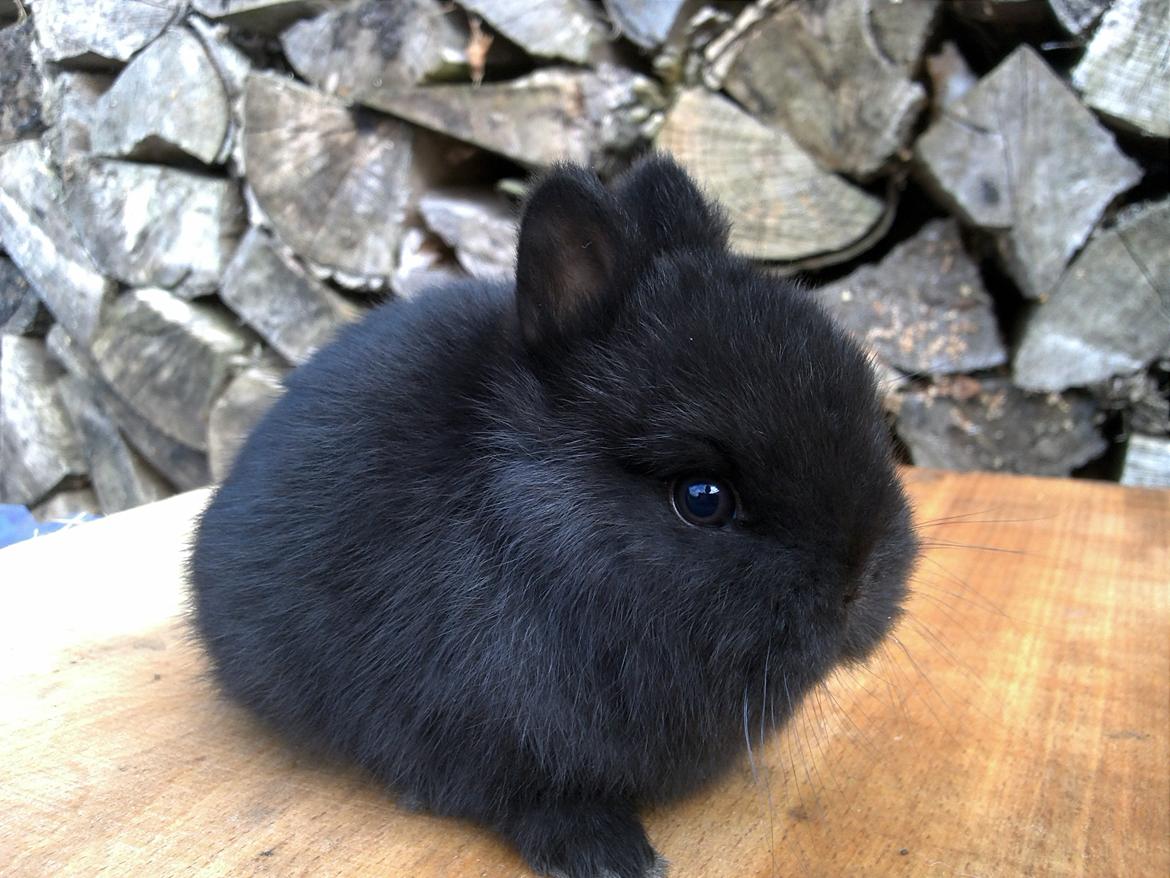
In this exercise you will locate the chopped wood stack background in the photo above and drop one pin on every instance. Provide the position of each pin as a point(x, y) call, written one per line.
point(195, 195)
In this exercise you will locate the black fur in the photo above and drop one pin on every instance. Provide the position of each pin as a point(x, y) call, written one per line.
point(449, 552)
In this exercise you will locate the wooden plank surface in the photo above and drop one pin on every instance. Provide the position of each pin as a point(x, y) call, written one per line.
point(1024, 729)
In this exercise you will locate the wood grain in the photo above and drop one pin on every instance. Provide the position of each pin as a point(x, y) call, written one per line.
point(1023, 730)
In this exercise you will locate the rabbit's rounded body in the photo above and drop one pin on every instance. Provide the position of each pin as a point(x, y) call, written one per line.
point(366, 600)
point(450, 553)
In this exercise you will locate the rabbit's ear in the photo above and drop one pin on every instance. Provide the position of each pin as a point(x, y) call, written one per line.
point(567, 260)
point(667, 208)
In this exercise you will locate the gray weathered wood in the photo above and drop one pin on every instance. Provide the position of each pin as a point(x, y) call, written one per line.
point(1125, 72)
point(169, 359)
point(183, 466)
point(1148, 404)
point(782, 205)
point(372, 46)
point(334, 183)
point(291, 310)
point(232, 66)
point(20, 84)
point(99, 32)
point(554, 114)
point(262, 16)
point(236, 413)
point(1110, 314)
point(1020, 156)
point(70, 101)
point(902, 28)
point(682, 59)
point(1147, 462)
point(923, 308)
point(39, 448)
point(21, 310)
point(567, 29)
point(39, 238)
point(170, 99)
point(950, 76)
point(967, 424)
point(149, 225)
point(480, 225)
point(645, 23)
point(422, 264)
point(1078, 16)
point(821, 73)
point(120, 478)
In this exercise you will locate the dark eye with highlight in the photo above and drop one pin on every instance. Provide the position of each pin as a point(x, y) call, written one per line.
point(703, 501)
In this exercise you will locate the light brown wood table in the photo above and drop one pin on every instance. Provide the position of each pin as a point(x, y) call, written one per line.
point(1019, 725)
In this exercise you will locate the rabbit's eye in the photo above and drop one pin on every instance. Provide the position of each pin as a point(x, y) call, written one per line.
point(703, 502)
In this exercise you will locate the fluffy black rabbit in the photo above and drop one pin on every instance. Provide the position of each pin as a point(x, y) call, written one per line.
point(535, 555)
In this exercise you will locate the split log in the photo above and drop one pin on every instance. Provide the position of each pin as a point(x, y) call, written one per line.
point(39, 448)
point(923, 308)
point(169, 101)
point(371, 46)
point(422, 263)
point(1125, 72)
point(101, 33)
point(646, 23)
point(567, 29)
point(169, 359)
point(184, 467)
point(967, 424)
point(236, 413)
point(120, 478)
point(481, 226)
point(1147, 462)
point(261, 16)
point(39, 238)
point(66, 504)
point(1149, 407)
point(1078, 16)
point(21, 310)
point(1019, 155)
point(232, 67)
point(683, 58)
point(70, 102)
point(902, 29)
point(836, 77)
point(782, 205)
point(1110, 314)
point(156, 226)
point(554, 114)
point(950, 76)
point(334, 183)
point(20, 84)
point(292, 311)
point(1144, 406)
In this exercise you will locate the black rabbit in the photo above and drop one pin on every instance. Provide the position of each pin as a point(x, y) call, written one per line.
point(534, 555)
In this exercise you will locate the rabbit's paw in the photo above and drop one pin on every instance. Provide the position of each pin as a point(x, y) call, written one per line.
point(585, 841)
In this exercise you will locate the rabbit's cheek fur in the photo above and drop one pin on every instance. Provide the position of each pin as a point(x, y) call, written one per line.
point(449, 553)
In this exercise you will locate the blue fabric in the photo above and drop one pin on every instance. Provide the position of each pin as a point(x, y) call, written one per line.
point(17, 523)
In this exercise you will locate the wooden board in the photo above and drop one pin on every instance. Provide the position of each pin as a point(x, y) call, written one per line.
point(1023, 730)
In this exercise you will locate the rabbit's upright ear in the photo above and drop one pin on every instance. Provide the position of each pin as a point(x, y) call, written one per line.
point(567, 260)
point(667, 209)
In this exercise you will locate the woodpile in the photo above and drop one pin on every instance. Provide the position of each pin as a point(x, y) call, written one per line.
point(195, 196)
